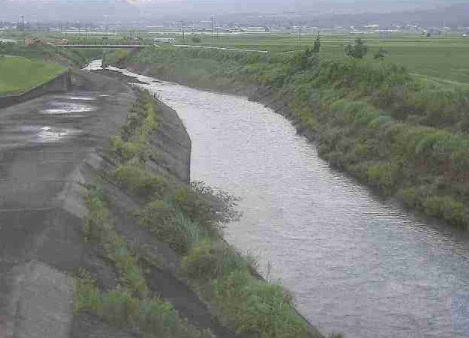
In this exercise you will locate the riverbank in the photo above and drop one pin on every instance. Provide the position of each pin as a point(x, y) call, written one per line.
point(402, 136)
point(189, 220)
point(104, 209)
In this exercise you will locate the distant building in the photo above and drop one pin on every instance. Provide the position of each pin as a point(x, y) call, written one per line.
point(28, 42)
point(164, 40)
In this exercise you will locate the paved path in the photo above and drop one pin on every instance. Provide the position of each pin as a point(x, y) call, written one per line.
point(42, 143)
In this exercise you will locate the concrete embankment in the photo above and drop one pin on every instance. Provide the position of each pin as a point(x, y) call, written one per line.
point(50, 150)
point(237, 90)
point(43, 143)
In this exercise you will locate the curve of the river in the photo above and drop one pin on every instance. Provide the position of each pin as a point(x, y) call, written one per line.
point(356, 264)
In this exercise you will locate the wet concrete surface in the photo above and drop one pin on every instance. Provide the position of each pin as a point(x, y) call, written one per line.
point(42, 142)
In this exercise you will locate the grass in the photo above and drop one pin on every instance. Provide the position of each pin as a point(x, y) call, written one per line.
point(251, 306)
point(131, 303)
point(18, 74)
point(390, 129)
point(190, 218)
point(75, 58)
point(151, 316)
point(99, 228)
point(434, 57)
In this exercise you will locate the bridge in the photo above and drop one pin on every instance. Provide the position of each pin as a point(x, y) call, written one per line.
point(103, 46)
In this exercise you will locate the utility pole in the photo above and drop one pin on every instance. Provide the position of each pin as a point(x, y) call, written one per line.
point(299, 38)
point(213, 18)
point(182, 28)
point(23, 30)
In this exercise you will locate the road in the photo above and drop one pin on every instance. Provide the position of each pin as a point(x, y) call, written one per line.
point(43, 142)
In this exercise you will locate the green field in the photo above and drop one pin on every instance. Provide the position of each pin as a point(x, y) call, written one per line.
point(18, 74)
point(440, 57)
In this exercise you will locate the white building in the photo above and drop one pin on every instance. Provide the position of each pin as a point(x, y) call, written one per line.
point(164, 40)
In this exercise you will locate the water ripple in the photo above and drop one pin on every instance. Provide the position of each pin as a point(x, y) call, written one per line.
point(356, 264)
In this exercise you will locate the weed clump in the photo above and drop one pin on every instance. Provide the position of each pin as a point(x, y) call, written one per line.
point(120, 308)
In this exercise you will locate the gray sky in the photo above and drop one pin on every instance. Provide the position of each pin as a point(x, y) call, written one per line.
point(128, 10)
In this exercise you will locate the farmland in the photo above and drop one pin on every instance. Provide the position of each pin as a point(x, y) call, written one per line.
point(435, 56)
point(439, 56)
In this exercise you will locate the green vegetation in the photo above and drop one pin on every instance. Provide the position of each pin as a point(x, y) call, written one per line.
point(434, 57)
point(46, 53)
point(391, 130)
point(250, 305)
point(190, 218)
point(18, 74)
point(358, 50)
point(130, 304)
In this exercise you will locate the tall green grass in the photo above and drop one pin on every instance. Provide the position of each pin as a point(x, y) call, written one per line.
point(190, 218)
point(375, 120)
point(252, 306)
point(151, 317)
point(131, 303)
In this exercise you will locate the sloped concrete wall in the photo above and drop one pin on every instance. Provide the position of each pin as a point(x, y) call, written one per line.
point(173, 144)
point(61, 83)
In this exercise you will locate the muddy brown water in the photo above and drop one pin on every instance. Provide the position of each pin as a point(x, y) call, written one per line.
point(356, 264)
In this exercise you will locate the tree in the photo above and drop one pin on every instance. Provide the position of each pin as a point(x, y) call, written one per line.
point(317, 44)
point(380, 54)
point(358, 50)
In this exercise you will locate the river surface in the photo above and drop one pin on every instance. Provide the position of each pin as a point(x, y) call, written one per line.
point(356, 264)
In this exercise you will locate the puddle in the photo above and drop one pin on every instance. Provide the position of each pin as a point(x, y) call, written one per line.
point(67, 108)
point(51, 134)
point(18, 136)
point(84, 98)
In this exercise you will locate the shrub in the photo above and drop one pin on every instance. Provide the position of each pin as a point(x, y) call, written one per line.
point(210, 209)
point(383, 176)
point(133, 177)
point(409, 197)
point(170, 225)
point(358, 50)
point(257, 308)
point(445, 207)
point(209, 260)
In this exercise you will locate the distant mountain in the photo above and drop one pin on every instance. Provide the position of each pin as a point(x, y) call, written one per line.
point(455, 15)
point(203, 9)
point(321, 13)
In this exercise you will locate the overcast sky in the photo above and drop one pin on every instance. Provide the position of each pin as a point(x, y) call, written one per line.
point(95, 10)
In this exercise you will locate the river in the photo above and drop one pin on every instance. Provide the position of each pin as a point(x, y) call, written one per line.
point(356, 264)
